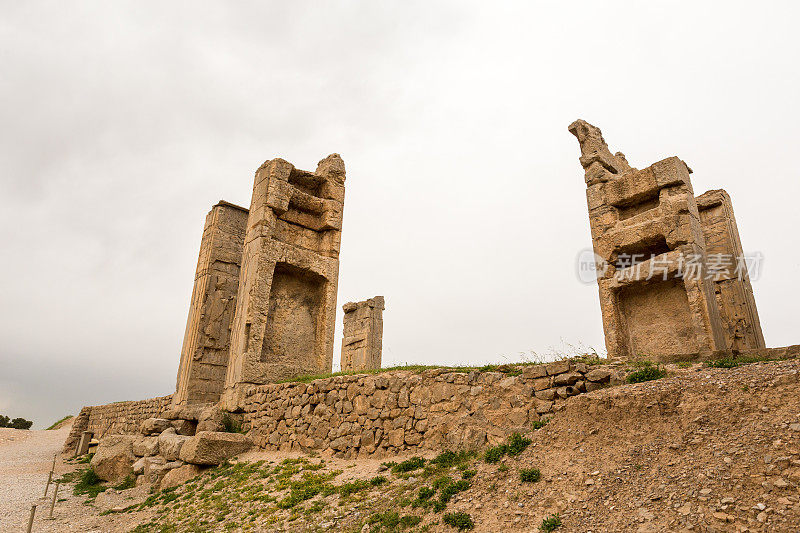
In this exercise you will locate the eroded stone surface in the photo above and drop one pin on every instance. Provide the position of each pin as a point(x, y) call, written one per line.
point(363, 335)
point(114, 457)
point(213, 447)
point(656, 294)
point(206, 343)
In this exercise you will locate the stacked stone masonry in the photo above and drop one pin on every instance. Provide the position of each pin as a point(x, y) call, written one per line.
point(654, 242)
point(402, 411)
point(362, 342)
point(115, 418)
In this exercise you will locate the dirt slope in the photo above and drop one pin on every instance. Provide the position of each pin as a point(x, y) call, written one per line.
point(705, 450)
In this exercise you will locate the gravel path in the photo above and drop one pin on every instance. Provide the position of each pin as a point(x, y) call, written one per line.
point(25, 460)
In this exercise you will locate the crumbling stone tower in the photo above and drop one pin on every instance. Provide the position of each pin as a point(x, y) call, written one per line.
point(363, 335)
point(206, 343)
point(656, 295)
point(286, 305)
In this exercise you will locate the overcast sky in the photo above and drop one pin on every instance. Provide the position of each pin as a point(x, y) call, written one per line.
point(122, 123)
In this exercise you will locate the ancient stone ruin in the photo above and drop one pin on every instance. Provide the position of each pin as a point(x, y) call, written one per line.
point(286, 306)
point(363, 335)
point(671, 279)
point(263, 308)
point(278, 322)
point(206, 343)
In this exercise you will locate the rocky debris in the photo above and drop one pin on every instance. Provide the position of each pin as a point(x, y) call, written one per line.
point(114, 457)
point(213, 447)
point(145, 446)
point(154, 426)
point(180, 475)
point(184, 427)
point(170, 444)
point(210, 419)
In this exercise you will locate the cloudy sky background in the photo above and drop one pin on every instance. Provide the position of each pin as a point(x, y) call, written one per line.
point(122, 123)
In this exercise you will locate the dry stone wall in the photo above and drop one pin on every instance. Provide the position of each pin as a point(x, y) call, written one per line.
point(403, 411)
point(119, 418)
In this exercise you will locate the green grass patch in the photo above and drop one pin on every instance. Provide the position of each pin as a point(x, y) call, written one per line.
point(377, 481)
point(551, 523)
point(460, 521)
point(495, 453)
point(647, 372)
point(88, 483)
point(539, 424)
point(128, 483)
point(408, 465)
point(529, 475)
point(517, 444)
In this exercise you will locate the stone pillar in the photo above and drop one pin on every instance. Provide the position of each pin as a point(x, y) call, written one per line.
point(655, 295)
point(363, 335)
point(734, 294)
point(206, 343)
point(286, 306)
point(83, 445)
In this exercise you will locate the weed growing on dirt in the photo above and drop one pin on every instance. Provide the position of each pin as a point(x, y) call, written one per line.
point(460, 521)
point(88, 483)
point(128, 483)
point(529, 475)
point(647, 372)
point(408, 465)
point(495, 453)
point(539, 424)
point(551, 523)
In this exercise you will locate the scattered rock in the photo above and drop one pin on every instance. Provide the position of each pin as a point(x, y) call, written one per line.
point(213, 447)
point(114, 458)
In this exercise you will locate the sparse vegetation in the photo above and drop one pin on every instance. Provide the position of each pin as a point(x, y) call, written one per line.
point(230, 423)
point(128, 483)
point(539, 424)
point(56, 424)
point(517, 444)
point(551, 523)
point(495, 453)
point(377, 481)
point(408, 465)
point(460, 521)
point(529, 475)
point(88, 483)
point(647, 372)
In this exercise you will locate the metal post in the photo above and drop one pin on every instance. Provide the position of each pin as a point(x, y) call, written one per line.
point(53, 502)
point(30, 520)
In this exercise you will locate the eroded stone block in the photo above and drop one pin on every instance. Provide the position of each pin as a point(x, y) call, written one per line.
point(363, 335)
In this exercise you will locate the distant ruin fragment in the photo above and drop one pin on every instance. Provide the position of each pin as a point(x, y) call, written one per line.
point(206, 343)
point(286, 305)
point(363, 335)
point(664, 288)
